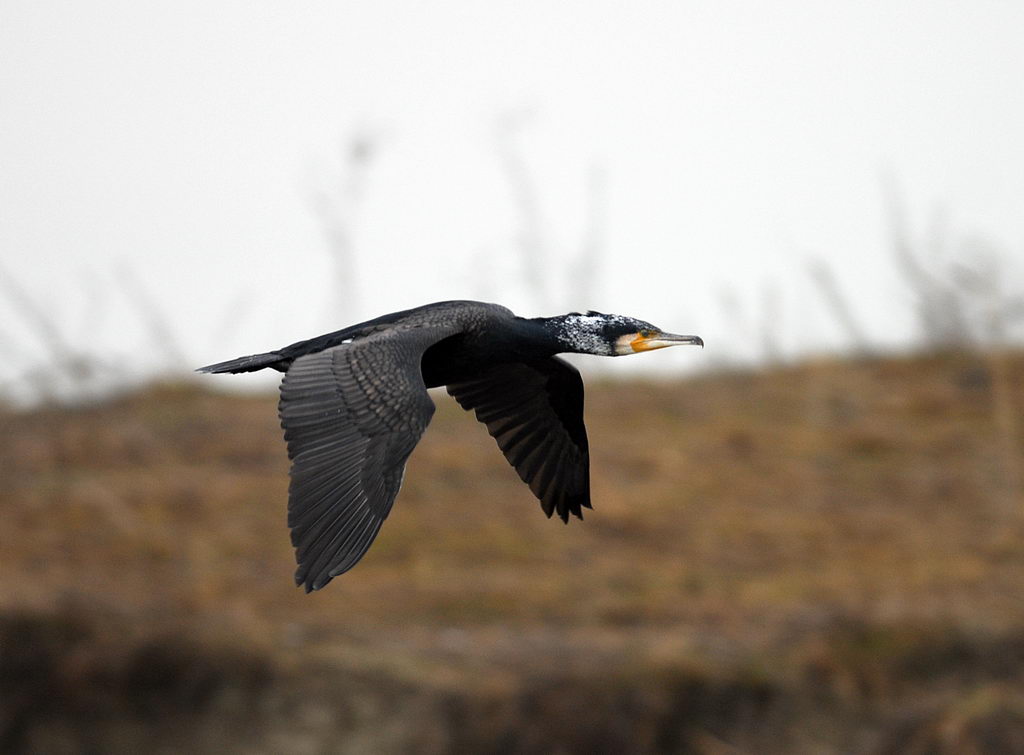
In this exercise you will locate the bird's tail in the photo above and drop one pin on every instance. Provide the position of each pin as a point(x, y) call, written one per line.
point(251, 363)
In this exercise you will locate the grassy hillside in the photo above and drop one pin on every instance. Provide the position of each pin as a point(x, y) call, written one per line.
point(821, 558)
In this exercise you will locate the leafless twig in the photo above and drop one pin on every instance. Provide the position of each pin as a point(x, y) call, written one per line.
point(838, 304)
point(335, 209)
point(531, 239)
point(589, 265)
point(158, 324)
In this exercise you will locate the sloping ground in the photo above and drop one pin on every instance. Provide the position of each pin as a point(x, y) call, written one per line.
point(822, 558)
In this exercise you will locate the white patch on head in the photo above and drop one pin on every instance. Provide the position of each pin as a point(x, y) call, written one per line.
point(624, 345)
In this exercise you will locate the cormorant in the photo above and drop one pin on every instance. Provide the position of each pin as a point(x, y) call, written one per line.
point(354, 404)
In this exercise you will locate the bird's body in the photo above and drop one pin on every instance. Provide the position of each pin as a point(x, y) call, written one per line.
point(354, 404)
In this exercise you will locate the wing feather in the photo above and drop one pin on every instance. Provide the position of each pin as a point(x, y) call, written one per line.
point(534, 410)
point(352, 414)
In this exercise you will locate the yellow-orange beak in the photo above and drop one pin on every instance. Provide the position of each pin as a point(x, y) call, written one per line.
point(663, 340)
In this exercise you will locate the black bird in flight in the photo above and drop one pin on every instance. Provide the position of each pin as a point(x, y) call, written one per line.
point(354, 404)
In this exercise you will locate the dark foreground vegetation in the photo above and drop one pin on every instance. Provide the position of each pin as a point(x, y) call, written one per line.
point(824, 558)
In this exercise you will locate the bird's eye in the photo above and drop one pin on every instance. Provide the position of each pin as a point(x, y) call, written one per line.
point(646, 334)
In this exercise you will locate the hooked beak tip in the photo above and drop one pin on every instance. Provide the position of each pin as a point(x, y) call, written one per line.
point(688, 340)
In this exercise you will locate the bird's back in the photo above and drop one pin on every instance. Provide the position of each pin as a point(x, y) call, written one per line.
point(462, 314)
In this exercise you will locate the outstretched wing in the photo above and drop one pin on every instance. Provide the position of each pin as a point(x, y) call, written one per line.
point(352, 414)
point(535, 412)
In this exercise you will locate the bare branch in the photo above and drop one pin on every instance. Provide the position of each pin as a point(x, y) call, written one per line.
point(940, 308)
point(336, 209)
point(771, 325)
point(838, 304)
point(158, 324)
point(35, 316)
point(531, 237)
point(586, 276)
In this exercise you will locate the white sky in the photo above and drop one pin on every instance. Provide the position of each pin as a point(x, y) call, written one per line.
point(183, 141)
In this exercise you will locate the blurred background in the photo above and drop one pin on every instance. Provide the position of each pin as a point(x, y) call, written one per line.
point(806, 537)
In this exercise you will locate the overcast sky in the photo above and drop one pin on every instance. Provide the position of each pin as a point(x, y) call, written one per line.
point(172, 151)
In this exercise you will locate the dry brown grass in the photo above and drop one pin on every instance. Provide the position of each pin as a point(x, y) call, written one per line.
point(825, 557)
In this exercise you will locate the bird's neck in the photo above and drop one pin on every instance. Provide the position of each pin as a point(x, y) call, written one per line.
point(574, 333)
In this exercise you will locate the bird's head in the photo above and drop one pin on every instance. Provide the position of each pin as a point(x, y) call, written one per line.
point(615, 335)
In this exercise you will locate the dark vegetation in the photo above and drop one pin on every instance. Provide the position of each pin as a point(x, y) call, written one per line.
point(819, 558)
